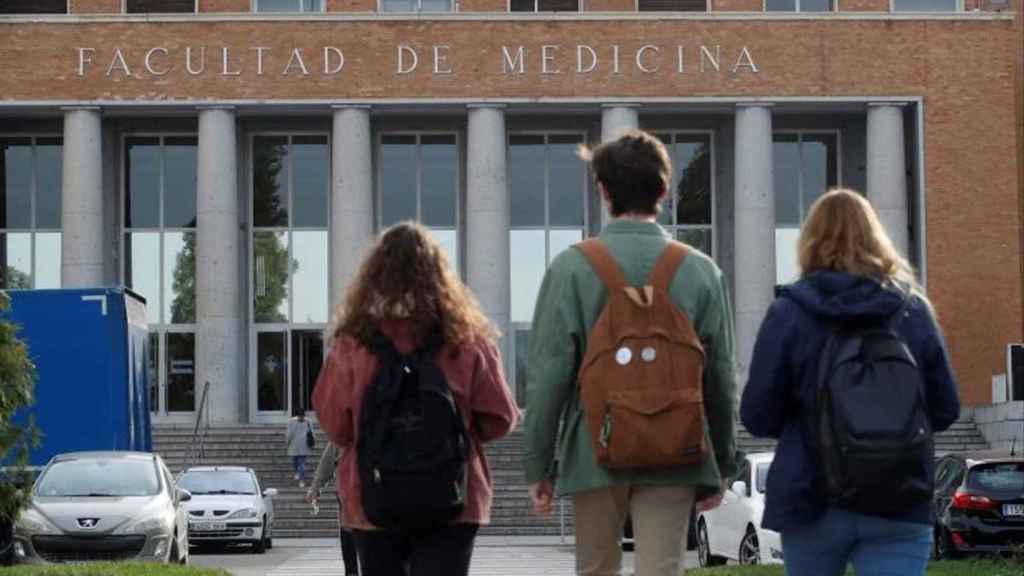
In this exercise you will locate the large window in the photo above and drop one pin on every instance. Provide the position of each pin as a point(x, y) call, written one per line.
point(33, 6)
point(415, 5)
point(289, 266)
point(544, 5)
point(926, 5)
point(418, 179)
point(688, 212)
point(547, 187)
point(806, 164)
point(30, 210)
point(799, 5)
point(288, 5)
point(672, 5)
point(160, 259)
point(159, 6)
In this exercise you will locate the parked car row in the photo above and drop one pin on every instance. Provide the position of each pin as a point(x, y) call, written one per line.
point(111, 506)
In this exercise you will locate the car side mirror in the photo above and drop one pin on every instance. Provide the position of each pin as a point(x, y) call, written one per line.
point(739, 488)
point(270, 492)
point(183, 495)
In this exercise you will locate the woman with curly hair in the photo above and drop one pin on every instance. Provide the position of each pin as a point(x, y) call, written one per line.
point(407, 293)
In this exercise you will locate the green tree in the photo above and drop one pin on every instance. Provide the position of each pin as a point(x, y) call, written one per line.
point(14, 279)
point(17, 384)
point(271, 268)
point(693, 194)
point(183, 308)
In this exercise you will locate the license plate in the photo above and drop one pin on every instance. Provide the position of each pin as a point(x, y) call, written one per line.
point(1013, 509)
point(208, 526)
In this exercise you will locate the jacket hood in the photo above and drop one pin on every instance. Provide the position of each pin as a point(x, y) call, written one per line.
point(839, 295)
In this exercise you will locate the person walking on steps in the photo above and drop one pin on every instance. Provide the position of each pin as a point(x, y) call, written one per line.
point(297, 441)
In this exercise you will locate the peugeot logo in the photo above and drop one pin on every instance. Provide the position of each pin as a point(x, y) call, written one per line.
point(88, 523)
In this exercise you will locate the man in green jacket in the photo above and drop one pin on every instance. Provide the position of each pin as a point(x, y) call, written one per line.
point(633, 176)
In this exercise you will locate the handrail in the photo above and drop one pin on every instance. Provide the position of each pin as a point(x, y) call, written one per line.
point(197, 448)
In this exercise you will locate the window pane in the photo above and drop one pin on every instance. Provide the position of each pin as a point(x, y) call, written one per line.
point(780, 5)
point(527, 271)
point(142, 270)
point(181, 374)
point(278, 5)
point(270, 181)
point(309, 280)
point(16, 259)
point(270, 371)
point(311, 165)
point(699, 238)
point(526, 180)
point(566, 183)
point(152, 369)
point(49, 177)
point(672, 5)
point(787, 268)
point(311, 6)
point(522, 5)
point(270, 276)
point(435, 5)
point(786, 158)
point(448, 239)
point(397, 179)
point(558, 5)
point(439, 158)
point(48, 260)
point(16, 190)
point(561, 240)
point(308, 356)
point(522, 346)
point(159, 6)
point(180, 182)
point(924, 6)
point(819, 162)
point(34, 7)
point(398, 5)
point(142, 196)
point(815, 5)
point(693, 193)
point(180, 277)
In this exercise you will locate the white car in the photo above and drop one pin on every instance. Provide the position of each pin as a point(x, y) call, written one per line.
point(733, 530)
point(228, 506)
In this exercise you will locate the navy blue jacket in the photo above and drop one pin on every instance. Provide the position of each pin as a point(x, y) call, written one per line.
point(783, 371)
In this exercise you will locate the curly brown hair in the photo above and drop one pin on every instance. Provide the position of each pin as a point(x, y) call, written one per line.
point(407, 276)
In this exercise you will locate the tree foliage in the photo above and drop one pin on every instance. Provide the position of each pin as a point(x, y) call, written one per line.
point(17, 384)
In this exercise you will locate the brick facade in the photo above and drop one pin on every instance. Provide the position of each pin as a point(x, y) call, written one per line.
point(94, 6)
point(351, 5)
point(966, 72)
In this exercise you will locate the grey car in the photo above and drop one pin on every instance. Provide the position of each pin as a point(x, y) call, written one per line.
point(103, 506)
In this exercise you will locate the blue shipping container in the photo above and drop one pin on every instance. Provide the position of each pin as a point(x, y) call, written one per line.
point(90, 348)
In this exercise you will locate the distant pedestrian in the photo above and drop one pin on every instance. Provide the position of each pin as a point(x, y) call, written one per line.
point(298, 447)
point(851, 375)
point(410, 349)
point(325, 473)
point(631, 375)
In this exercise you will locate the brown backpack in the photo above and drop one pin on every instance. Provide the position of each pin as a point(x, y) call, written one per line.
point(641, 381)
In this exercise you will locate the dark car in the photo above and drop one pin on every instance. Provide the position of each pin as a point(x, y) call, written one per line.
point(979, 504)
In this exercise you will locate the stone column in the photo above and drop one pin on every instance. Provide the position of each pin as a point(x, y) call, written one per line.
point(82, 246)
point(488, 212)
point(615, 120)
point(351, 227)
point(220, 337)
point(887, 171)
point(754, 226)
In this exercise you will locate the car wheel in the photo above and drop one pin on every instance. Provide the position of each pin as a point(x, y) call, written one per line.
point(750, 549)
point(260, 546)
point(268, 537)
point(704, 554)
point(942, 547)
point(175, 556)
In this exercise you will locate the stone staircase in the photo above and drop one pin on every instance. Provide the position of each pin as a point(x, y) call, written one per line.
point(261, 447)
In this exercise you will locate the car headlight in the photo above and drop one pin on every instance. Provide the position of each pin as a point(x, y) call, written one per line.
point(243, 513)
point(147, 525)
point(32, 522)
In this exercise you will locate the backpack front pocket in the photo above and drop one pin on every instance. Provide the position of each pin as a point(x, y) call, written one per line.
point(651, 429)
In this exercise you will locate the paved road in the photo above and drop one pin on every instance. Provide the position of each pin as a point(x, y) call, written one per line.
point(492, 557)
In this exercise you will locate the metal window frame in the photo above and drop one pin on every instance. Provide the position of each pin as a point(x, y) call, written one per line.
point(453, 7)
point(675, 227)
point(124, 9)
point(255, 5)
point(958, 10)
point(797, 10)
point(636, 8)
point(32, 229)
point(159, 328)
point(536, 10)
point(256, 328)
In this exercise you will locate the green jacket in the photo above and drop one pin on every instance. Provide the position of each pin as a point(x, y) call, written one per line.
point(570, 300)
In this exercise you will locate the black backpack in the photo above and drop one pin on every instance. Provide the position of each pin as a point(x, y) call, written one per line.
point(413, 446)
point(871, 430)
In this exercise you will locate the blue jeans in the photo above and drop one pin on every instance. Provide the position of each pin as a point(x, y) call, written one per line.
point(299, 465)
point(875, 546)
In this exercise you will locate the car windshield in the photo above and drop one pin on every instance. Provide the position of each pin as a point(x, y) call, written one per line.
point(217, 482)
point(100, 477)
point(762, 476)
point(997, 477)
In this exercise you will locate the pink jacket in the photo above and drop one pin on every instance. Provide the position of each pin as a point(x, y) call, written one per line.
point(477, 382)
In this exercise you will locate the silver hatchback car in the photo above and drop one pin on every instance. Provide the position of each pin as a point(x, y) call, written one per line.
point(103, 506)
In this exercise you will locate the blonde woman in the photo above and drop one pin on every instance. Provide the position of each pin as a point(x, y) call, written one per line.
point(851, 275)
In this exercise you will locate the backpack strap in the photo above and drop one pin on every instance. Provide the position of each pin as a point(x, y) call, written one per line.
point(603, 263)
point(667, 264)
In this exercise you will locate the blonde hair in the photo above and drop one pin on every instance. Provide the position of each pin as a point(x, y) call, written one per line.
point(843, 233)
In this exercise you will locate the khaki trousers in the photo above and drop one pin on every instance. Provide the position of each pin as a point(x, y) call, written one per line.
point(660, 516)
